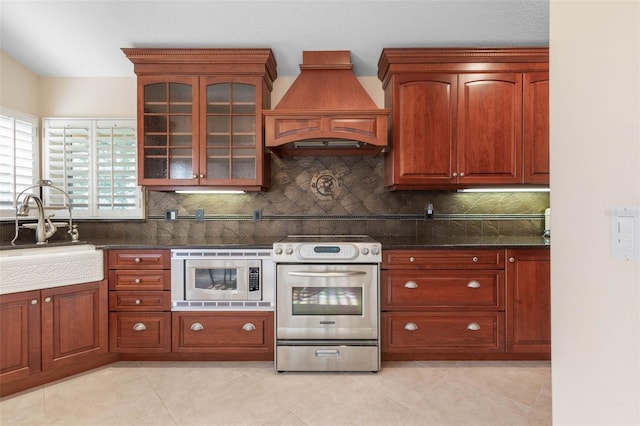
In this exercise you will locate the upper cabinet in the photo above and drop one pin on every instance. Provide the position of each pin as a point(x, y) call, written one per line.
point(200, 117)
point(466, 117)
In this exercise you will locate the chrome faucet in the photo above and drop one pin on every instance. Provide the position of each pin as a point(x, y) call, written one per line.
point(45, 228)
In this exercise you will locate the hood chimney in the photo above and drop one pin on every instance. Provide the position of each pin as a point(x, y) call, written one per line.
point(326, 111)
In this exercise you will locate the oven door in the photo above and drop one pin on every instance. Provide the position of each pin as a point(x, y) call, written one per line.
point(212, 279)
point(327, 302)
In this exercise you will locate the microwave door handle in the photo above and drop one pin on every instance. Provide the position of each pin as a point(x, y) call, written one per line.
point(326, 274)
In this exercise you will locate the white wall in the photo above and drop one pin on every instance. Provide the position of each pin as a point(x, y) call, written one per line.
point(595, 165)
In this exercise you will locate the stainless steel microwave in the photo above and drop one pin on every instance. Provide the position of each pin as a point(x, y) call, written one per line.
point(213, 278)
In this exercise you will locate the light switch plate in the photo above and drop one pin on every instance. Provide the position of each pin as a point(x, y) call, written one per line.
point(625, 233)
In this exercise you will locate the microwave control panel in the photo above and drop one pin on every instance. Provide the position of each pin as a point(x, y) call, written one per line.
point(254, 278)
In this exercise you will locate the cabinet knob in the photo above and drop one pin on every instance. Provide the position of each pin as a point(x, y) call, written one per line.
point(473, 326)
point(201, 176)
point(473, 284)
point(137, 260)
point(196, 326)
point(139, 327)
point(47, 299)
point(195, 176)
point(411, 284)
point(34, 301)
point(138, 301)
point(475, 259)
point(455, 174)
point(412, 259)
point(410, 326)
point(512, 259)
point(248, 327)
point(137, 280)
point(461, 174)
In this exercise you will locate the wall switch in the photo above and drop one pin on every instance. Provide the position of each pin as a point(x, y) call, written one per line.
point(625, 233)
point(199, 215)
point(257, 215)
point(171, 215)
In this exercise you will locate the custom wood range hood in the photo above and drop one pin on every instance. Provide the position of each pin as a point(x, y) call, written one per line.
point(326, 111)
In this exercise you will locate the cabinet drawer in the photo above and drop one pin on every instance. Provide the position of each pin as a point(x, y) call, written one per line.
point(443, 259)
point(140, 332)
point(140, 300)
point(139, 259)
point(442, 289)
point(129, 279)
point(443, 332)
point(197, 332)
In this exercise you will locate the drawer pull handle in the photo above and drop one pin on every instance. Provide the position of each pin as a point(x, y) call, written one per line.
point(196, 326)
point(137, 280)
point(139, 327)
point(34, 301)
point(411, 326)
point(137, 260)
point(327, 353)
point(473, 284)
point(248, 327)
point(138, 301)
point(412, 259)
point(411, 284)
point(473, 326)
point(475, 259)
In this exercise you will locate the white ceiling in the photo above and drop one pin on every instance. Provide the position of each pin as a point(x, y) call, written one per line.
point(56, 38)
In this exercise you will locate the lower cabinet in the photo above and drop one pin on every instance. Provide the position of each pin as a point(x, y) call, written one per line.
point(136, 332)
point(247, 334)
point(465, 304)
point(47, 334)
point(529, 301)
point(442, 332)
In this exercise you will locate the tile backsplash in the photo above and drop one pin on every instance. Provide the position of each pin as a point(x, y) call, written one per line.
point(321, 195)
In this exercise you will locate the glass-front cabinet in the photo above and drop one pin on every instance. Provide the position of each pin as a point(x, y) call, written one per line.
point(200, 117)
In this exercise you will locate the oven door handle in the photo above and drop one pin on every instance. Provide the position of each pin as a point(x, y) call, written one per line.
point(330, 274)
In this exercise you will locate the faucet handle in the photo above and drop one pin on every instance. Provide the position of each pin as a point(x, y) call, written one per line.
point(75, 234)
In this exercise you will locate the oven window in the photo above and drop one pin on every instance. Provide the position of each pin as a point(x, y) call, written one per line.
point(216, 279)
point(327, 300)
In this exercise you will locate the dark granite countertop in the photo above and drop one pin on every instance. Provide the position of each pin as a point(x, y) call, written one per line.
point(387, 243)
point(267, 243)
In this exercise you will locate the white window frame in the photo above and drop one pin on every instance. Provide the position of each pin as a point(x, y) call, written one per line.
point(11, 169)
point(61, 178)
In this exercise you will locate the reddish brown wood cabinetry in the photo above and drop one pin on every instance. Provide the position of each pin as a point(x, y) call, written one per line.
point(465, 304)
point(140, 301)
point(20, 337)
point(529, 301)
point(48, 334)
point(536, 128)
point(441, 302)
point(248, 335)
point(466, 117)
point(200, 117)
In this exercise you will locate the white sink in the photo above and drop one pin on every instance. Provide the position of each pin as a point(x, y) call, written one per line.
point(49, 266)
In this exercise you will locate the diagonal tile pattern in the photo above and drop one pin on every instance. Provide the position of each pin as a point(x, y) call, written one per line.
point(251, 393)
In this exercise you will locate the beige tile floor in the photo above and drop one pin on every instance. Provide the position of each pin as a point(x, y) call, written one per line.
point(252, 393)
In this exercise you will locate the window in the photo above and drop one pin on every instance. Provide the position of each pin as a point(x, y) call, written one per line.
point(18, 157)
point(94, 161)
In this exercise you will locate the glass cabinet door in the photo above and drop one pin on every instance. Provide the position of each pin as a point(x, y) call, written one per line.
point(169, 138)
point(230, 151)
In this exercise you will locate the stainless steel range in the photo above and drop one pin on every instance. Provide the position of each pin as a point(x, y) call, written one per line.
point(327, 309)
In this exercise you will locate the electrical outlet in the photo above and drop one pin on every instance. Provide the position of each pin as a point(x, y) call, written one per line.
point(257, 215)
point(171, 215)
point(199, 215)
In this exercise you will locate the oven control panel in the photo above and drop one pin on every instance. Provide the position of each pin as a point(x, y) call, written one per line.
point(327, 252)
